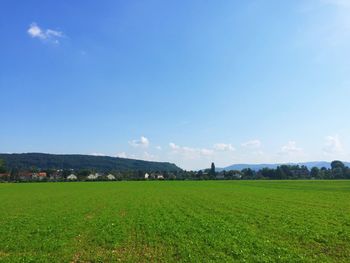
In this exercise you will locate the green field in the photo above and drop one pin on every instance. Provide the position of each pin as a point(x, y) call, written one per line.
point(222, 221)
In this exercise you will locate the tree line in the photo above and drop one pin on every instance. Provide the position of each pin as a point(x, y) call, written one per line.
point(337, 171)
point(283, 172)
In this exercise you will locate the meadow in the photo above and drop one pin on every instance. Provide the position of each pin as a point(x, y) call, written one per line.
point(176, 221)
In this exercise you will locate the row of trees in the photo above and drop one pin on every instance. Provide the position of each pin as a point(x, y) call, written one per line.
point(337, 171)
point(283, 172)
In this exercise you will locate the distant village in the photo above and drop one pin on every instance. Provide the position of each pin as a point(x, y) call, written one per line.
point(71, 175)
point(62, 175)
point(284, 172)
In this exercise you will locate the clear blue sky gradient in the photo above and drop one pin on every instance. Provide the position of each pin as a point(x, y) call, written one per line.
point(193, 73)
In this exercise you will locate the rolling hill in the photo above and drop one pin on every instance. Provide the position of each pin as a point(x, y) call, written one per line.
point(78, 161)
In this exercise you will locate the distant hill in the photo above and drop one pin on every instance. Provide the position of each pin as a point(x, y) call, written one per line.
point(77, 162)
point(274, 166)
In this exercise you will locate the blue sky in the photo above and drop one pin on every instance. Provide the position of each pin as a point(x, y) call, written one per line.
point(188, 82)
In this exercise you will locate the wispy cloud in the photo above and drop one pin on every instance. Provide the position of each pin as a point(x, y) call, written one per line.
point(254, 144)
point(98, 154)
point(332, 145)
point(142, 142)
point(173, 146)
point(149, 156)
point(224, 147)
point(291, 148)
point(206, 152)
point(189, 152)
point(122, 155)
point(46, 35)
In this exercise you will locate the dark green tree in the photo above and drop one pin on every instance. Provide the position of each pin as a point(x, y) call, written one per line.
point(14, 175)
point(347, 173)
point(338, 169)
point(212, 171)
point(266, 173)
point(2, 166)
point(315, 172)
point(82, 174)
point(200, 175)
point(248, 174)
point(280, 172)
point(337, 164)
point(338, 173)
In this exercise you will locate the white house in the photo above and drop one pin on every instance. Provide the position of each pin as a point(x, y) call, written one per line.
point(160, 177)
point(111, 177)
point(93, 176)
point(146, 175)
point(72, 177)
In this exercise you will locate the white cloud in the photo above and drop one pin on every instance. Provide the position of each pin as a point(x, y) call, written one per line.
point(142, 142)
point(53, 33)
point(174, 146)
point(148, 156)
point(253, 144)
point(291, 148)
point(48, 35)
point(223, 147)
point(122, 155)
point(98, 154)
point(190, 153)
point(35, 31)
point(333, 145)
point(206, 152)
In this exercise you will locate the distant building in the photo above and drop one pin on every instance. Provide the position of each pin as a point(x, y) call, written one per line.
point(111, 177)
point(160, 177)
point(237, 175)
point(55, 175)
point(93, 176)
point(4, 176)
point(42, 174)
point(146, 175)
point(25, 176)
point(38, 176)
point(72, 177)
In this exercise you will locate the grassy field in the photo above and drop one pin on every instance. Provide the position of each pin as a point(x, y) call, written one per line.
point(223, 221)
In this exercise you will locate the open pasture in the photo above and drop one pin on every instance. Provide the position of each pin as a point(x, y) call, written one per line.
point(171, 221)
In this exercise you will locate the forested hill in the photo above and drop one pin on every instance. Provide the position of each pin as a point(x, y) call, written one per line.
point(79, 162)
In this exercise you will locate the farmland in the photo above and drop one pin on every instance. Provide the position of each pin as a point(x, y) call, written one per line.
point(170, 221)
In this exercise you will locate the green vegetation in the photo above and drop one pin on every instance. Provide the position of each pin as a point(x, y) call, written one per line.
point(222, 221)
point(47, 168)
point(28, 161)
point(2, 166)
point(337, 171)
